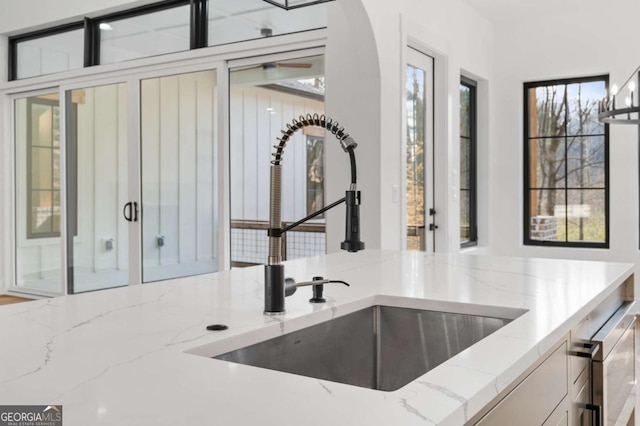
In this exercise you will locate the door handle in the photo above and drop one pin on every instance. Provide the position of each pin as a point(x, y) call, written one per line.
point(127, 208)
point(130, 211)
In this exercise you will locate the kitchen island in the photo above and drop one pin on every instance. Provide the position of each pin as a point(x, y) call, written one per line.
point(122, 356)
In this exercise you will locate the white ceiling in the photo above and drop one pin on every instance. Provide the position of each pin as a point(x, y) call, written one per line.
point(503, 10)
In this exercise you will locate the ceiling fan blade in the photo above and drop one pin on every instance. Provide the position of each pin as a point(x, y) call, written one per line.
point(293, 65)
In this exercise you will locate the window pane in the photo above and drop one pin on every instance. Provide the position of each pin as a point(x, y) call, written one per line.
point(96, 143)
point(56, 211)
point(232, 20)
point(41, 124)
point(41, 212)
point(547, 111)
point(547, 163)
point(468, 141)
point(465, 99)
point(315, 173)
point(586, 159)
point(465, 146)
point(544, 220)
point(55, 164)
point(51, 54)
point(151, 34)
point(179, 175)
point(416, 122)
point(41, 168)
point(465, 234)
point(56, 127)
point(585, 215)
point(582, 100)
point(264, 98)
point(567, 151)
point(37, 212)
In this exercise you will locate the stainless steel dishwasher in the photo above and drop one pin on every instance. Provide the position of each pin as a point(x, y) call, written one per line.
point(612, 354)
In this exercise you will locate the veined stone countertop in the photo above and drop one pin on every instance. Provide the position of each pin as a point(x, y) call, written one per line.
point(118, 357)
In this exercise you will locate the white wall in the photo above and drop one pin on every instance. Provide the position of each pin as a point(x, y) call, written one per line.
point(366, 94)
point(570, 42)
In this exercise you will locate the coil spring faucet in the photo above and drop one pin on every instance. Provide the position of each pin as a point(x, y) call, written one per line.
point(275, 288)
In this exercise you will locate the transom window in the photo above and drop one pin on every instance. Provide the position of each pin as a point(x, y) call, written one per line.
point(155, 29)
point(566, 164)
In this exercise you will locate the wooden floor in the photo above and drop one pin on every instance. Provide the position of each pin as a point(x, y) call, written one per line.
point(8, 300)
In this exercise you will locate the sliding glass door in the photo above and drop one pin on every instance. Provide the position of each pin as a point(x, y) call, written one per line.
point(38, 209)
point(178, 130)
point(97, 187)
point(264, 96)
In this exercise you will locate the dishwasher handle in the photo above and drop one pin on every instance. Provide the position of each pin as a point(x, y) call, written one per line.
point(596, 411)
point(585, 350)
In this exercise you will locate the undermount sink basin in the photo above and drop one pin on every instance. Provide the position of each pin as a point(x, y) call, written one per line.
point(379, 347)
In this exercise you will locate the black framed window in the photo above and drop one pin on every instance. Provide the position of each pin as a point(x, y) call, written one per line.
point(49, 51)
point(158, 28)
point(152, 30)
point(468, 147)
point(566, 163)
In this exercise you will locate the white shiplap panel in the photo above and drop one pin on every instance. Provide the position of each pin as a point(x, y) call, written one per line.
point(258, 129)
point(205, 164)
point(300, 162)
point(150, 141)
point(122, 226)
point(253, 173)
point(169, 173)
point(187, 203)
point(262, 157)
point(237, 152)
point(106, 171)
point(84, 249)
point(285, 115)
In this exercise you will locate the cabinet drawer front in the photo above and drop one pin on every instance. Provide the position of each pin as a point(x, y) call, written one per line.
point(578, 365)
point(536, 397)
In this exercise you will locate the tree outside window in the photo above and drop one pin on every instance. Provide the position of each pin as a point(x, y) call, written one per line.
point(566, 164)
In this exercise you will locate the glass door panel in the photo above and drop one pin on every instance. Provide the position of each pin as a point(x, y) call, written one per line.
point(37, 195)
point(419, 150)
point(97, 187)
point(264, 98)
point(178, 131)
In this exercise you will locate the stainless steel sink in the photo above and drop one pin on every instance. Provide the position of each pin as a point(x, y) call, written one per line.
point(380, 347)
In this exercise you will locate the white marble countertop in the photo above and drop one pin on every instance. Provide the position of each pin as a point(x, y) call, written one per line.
point(117, 357)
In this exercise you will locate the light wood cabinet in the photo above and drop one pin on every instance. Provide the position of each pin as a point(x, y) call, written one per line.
point(534, 401)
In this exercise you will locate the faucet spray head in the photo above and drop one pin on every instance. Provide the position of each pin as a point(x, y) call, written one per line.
point(352, 241)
